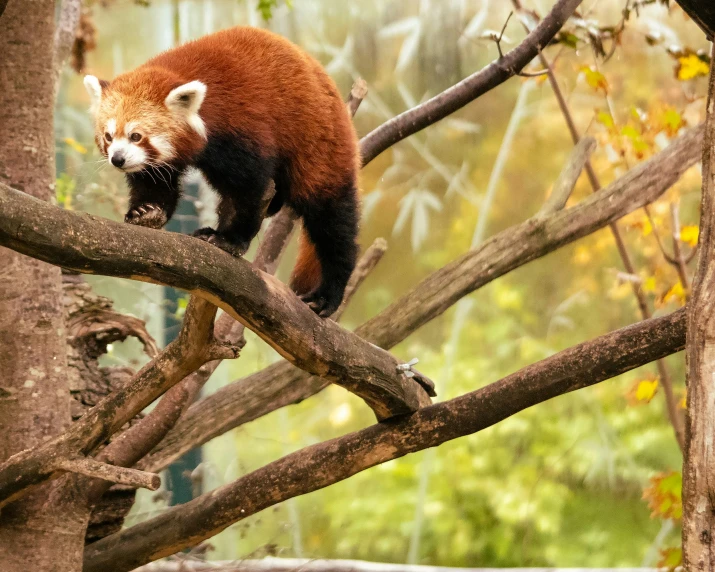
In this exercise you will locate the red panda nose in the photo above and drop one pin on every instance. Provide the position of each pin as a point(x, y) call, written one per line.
point(118, 160)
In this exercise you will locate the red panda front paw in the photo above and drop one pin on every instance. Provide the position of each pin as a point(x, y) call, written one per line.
point(147, 214)
point(217, 239)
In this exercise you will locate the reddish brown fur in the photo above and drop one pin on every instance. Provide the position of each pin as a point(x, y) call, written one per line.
point(244, 69)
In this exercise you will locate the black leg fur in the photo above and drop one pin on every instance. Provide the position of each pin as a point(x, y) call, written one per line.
point(153, 196)
point(240, 176)
point(332, 226)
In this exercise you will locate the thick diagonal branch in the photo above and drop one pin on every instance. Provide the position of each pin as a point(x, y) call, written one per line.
point(281, 384)
point(326, 463)
point(469, 89)
point(259, 301)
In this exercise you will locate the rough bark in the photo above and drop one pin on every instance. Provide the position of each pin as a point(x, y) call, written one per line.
point(469, 89)
point(261, 302)
point(699, 467)
point(45, 531)
point(194, 347)
point(281, 384)
point(326, 463)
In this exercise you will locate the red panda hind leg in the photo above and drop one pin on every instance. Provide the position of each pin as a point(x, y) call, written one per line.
point(329, 250)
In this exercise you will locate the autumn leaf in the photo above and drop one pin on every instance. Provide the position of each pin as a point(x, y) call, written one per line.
point(605, 119)
point(75, 145)
point(664, 495)
point(690, 66)
point(689, 235)
point(595, 79)
point(675, 294)
point(649, 285)
point(672, 121)
point(642, 391)
point(683, 403)
point(670, 558)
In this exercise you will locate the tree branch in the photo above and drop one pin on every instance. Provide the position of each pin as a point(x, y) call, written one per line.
point(564, 185)
point(105, 472)
point(281, 384)
point(469, 89)
point(91, 245)
point(321, 465)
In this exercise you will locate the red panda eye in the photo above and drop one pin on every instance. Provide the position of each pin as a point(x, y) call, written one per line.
point(108, 137)
point(135, 137)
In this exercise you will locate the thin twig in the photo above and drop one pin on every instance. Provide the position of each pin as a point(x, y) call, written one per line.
point(674, 414)
point(118, 475)
point(678, 251)
point(564, 185)
point(469, 89)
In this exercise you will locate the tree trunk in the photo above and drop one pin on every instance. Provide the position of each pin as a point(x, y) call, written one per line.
point(43, 531)
point(699, 468)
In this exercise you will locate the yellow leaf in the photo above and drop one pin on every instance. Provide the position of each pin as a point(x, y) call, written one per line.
point(75, 145)
point(582, 255)
point(646, 390)
point(675, 294)
point(605, 119)
point(647, 227)
point(689, 235)
point(683, 403)
point(595, 78)
point(649, 285)
point(691, 66)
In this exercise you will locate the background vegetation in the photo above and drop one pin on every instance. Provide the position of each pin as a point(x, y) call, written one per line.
point(560, 485)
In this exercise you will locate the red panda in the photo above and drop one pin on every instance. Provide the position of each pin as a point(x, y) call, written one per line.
point(244, 106)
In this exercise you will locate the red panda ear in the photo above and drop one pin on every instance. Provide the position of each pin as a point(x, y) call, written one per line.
point(94, 88)
point(186, 99)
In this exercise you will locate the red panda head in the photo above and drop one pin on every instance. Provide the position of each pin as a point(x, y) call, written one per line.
point(147, 118)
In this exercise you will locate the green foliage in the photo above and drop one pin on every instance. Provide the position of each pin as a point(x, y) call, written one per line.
point(265, 7)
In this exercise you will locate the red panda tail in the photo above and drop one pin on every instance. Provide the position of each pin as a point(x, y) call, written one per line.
point(307, 273)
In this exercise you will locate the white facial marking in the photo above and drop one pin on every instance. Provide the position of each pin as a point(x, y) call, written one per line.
point(163, 146)
point(111, 127)
point(134, 156)
point(94, 89)
point(186, 101)
point(129, 127)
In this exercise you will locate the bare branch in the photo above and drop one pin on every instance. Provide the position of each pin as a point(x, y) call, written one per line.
point(119, 475)
point(469, 89)
point(261, 302)
point(326, 463)
point(365, 265)
point(280, 384)
point(564, 185)
point(678, 251)
point(703, 14)
point(357, 94)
